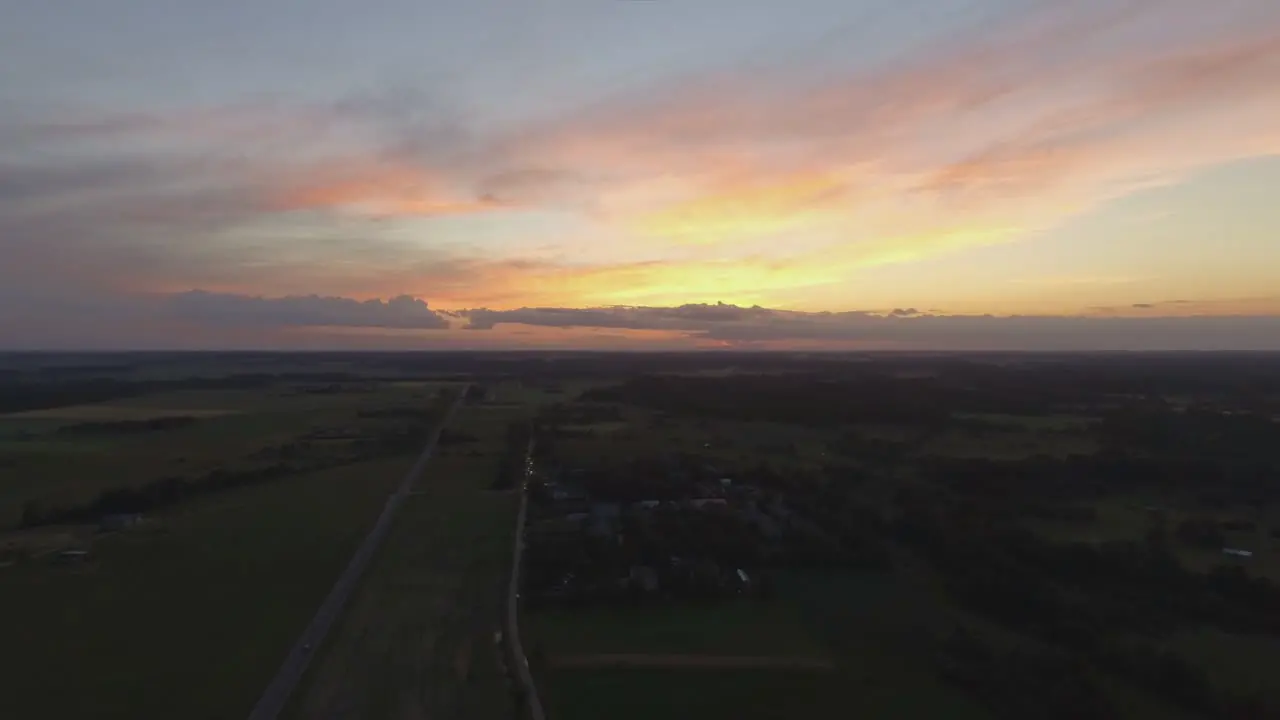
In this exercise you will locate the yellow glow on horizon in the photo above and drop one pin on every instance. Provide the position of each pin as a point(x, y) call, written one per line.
point(746, 211)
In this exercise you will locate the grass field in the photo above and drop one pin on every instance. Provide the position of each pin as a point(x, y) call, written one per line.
point(1241, 664)
point(189, 615)
point(417, 639)
point(112, 412)
point(701, 694)
point(233, 430)
point(875, 631)
point(746, 627)
point(872, 628)
point(1014, 444)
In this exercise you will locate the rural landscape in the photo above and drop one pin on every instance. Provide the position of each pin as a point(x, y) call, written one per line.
point(586, 535)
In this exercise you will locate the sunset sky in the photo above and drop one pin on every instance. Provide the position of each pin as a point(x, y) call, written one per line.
point(640, 174)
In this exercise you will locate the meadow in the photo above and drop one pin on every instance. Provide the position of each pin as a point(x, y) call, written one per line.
point(746, 627)
point(189, 614)
point(417, 639)
point(47, 465)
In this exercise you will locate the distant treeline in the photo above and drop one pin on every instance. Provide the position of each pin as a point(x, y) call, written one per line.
point(803, 399)
point(17, 396)
point(1045, 480)
point(930, 391)
point(172, 422)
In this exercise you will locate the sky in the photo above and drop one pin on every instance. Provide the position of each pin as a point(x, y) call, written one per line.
point(640, 174)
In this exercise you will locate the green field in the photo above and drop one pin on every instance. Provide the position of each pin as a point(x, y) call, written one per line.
point(233, 430)
point(417, 639)
point(190, 614)
point(1013, 444)
point(745, 627)
point(877, 631)
point(1241, 664)
point(693, 695)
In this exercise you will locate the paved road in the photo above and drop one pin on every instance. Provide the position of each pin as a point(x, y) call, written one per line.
point(518, 660)
point(295, 663)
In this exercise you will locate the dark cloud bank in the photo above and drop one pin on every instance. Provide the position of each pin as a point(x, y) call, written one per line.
point(403, 312)
point(909, 328)
point(199, 319)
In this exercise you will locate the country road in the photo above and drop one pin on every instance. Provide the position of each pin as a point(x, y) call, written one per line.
point(520, 663)
point(295, 664)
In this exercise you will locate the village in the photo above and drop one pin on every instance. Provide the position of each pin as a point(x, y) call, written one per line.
point(667, 529)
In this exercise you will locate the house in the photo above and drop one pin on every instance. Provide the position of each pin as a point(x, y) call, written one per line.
point(1237, 552)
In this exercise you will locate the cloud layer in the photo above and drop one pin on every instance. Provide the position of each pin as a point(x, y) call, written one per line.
point(403, 312)
point(204, 320)
point(779, 185)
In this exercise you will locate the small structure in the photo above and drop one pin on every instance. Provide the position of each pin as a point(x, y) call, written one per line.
point(726, 482)
point(701, 503)
point(1237, 552)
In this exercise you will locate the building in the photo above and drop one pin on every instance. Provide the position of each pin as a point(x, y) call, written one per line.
point(1237, 552)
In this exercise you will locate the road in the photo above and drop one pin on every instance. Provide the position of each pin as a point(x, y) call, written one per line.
point(520, 664)
point(299, 658)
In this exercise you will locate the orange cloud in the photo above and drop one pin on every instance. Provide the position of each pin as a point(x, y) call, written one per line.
point(374, 189)
point(969, 145)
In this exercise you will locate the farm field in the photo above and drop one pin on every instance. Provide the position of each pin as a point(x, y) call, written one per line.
point(744, 628)
point(65, 456)
point(417, 639)
point(189, 614)
point(691, 694)
point(859, 646)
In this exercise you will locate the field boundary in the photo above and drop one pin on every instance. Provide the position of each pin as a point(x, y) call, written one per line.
point(295, 664)
point(676, 662)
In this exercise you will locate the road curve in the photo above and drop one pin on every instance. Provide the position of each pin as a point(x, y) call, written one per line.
point(299, 658)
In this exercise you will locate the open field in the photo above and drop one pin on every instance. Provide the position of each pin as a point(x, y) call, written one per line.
point(189, 614)
point(1002, 444)
point(874, 658)
point(1241, 663)
point(47, 465)
point(111, 411)
point(692, 694)
point(417, 639)
point(744, 628)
